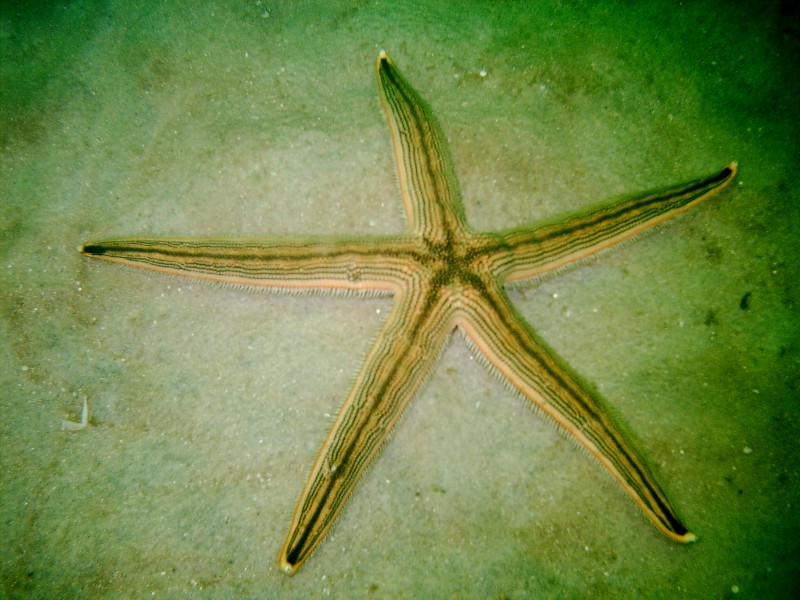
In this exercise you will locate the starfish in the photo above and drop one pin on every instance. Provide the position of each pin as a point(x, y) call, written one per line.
point(443, 276)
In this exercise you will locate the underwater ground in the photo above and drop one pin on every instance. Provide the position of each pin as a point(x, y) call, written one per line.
point(207, 404)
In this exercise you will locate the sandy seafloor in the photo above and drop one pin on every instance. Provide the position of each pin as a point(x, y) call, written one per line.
point(208, 404)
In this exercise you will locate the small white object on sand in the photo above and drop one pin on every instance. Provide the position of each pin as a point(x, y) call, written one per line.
point(72, 425)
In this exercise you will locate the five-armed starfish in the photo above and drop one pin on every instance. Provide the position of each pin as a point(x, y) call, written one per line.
point(443, 276)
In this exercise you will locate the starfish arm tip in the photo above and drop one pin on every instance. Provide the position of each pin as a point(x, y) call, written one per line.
point(288, 569)
point(91, 249)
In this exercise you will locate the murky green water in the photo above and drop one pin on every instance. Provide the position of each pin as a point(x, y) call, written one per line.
point(207, 405)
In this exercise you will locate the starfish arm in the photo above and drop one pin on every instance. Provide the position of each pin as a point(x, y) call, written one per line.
point(361, 265)
point(503, 338)
point(394, 369)
point(425, 171)
point(532, 252)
